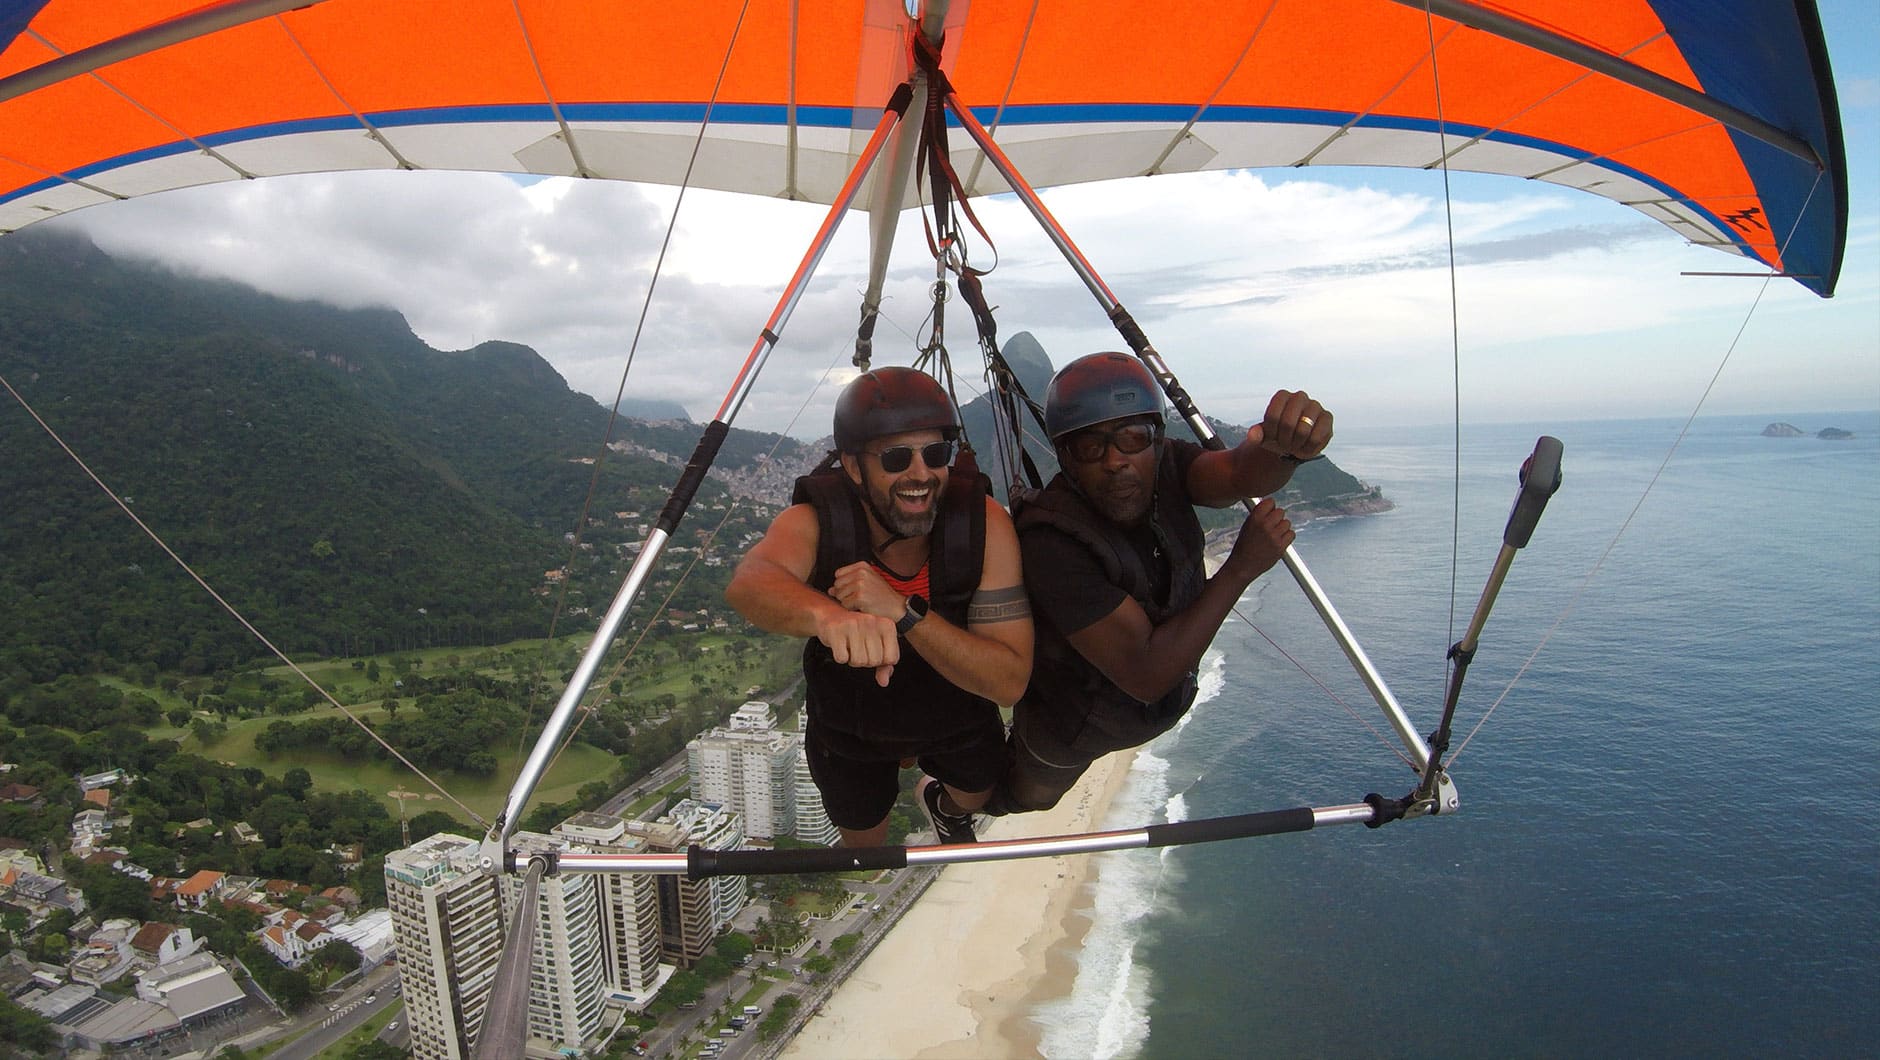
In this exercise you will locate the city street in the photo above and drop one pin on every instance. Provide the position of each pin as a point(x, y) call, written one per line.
point(326, 1025)
point(875, 907)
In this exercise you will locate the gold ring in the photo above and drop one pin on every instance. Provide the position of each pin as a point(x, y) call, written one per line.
point(1307, 420)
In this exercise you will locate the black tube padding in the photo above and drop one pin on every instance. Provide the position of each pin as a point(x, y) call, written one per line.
point(1540, 477)
point(702, 863)
point(693, 475)
point(865, 340)
point(1127, 327)
point(1383, 810)
point(1239, 826)
point(901, 98)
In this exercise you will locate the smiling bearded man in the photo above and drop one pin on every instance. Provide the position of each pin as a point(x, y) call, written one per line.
point(903, 575)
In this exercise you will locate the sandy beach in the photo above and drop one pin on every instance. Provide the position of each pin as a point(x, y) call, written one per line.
point(959, 973)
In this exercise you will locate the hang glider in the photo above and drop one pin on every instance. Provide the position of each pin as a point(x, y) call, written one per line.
point(1715, 117)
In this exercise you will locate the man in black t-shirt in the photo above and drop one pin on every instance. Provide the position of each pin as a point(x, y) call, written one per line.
point(1112, 554)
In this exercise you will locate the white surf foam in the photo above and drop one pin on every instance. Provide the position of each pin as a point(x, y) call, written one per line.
point(1107, 1012)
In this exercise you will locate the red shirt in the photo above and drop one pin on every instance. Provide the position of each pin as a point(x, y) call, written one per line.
point(917, 585)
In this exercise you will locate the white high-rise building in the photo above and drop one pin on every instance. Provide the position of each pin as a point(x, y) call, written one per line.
point(748, 765)
point(630, 903)
point(447, 928)
point(568, 982)
point(812, 821)
point(714, 827)
point(597, 939)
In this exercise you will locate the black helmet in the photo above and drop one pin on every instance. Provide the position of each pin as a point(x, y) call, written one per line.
point(1102, 386)
point(892, 401)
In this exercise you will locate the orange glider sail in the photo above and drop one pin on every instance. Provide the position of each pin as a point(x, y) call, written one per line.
point(1715, 117)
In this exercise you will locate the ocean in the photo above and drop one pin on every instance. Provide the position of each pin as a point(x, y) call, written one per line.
point(1665, 845)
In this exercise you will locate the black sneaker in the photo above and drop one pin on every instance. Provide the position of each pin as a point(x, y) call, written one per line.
point(948, 828)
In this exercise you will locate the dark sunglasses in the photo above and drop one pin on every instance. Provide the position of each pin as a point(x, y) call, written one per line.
point(1088, 447)
point(896, 458)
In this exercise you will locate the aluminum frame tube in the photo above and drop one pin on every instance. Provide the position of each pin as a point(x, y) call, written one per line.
point(537, 763)
point(819, 245)
point(506, 1020)
point(491, 856)
point(205, 20)
point(1180, 834)
point(1619, 69)
point(889, 197)
point(1367, 671)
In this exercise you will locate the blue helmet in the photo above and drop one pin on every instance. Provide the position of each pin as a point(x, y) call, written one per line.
point(1102, 386)
point(892, 401)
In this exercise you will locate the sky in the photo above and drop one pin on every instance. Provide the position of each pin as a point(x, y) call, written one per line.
point(1566, 306)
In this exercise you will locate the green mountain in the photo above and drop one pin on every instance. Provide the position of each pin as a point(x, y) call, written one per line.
point(347, 487)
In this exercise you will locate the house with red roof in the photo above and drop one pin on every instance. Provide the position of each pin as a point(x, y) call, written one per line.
point(195, 892)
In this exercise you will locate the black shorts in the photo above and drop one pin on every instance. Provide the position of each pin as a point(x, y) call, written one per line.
point(1043, 766)
point(859, 788)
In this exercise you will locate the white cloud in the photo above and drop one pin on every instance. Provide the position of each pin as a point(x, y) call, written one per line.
point(1246, 282)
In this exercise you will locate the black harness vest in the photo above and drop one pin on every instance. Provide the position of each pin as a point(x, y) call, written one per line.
point(857, 717)
point(1082, 707)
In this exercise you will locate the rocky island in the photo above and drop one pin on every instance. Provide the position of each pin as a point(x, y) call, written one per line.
point(1834, 434)
point(1782, 430)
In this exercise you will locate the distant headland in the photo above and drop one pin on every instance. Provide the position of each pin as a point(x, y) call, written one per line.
point(1789, 430)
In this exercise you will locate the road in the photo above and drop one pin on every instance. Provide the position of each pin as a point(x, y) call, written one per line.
point(331, 1023)
point(876, 906)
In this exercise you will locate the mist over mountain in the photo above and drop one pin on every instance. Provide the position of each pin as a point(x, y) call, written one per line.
point(640, 408)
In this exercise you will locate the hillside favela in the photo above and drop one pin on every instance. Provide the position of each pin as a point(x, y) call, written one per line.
point(205, 851)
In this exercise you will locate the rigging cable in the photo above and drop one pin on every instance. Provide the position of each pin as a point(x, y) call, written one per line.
point(226, 606)
point(1455, 322)
point(1684, 430)
point(1454, 667)
point(639, 329)
point(1323, 687)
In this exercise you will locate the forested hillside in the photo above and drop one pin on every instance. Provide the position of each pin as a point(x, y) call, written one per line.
point(347, 487)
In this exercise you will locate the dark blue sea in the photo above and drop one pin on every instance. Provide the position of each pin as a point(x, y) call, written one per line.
point(1668, 842)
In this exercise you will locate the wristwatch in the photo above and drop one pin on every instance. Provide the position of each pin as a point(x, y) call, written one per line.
point(916, 610)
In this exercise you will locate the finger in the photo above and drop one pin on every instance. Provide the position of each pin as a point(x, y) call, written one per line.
point(1306, 424)
point(1285, 426)
point(1276, 408)
point(1321, 431)
point(1313, 429)
point(883, 674)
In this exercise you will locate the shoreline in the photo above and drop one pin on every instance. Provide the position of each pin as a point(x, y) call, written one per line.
point(960, 974)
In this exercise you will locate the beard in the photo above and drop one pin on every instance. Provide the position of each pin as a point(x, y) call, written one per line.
point(904, 524)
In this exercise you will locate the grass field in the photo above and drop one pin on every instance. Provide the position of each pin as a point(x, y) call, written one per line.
point(577, 765)
point(705, 666)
